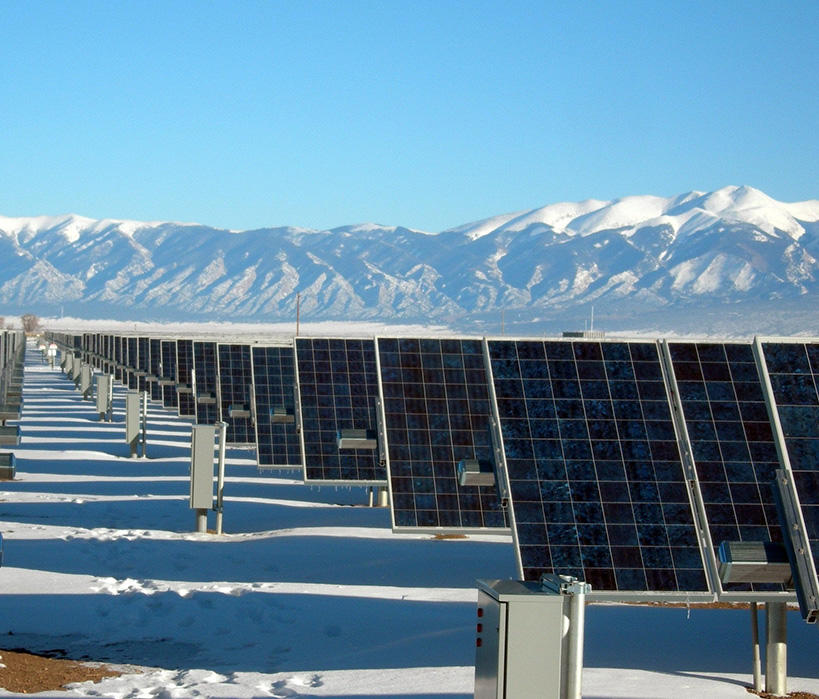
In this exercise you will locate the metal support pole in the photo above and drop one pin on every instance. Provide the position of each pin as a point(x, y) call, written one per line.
point(370, 503)
point(220, 478)
point(202, 521)
point(110, 398)
point(144, 425)
point(776, 650)
point(574, 644)
point(757, 662)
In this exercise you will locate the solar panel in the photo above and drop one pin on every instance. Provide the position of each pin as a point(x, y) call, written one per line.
point(154, 369)
point(235, 389)
point(206, 382)
point(596, 482)
point(732, 445)
point(143, 362)
point(184, 378)
point(167, 374)
point(436, 416)
point(131, 354)
point(338, 391)
point(120, 351)
point(792, 370)
point(274, 379)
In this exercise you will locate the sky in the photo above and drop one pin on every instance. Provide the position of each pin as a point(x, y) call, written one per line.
point(427, 114)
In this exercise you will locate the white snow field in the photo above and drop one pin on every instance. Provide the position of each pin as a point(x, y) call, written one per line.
point(309, 594)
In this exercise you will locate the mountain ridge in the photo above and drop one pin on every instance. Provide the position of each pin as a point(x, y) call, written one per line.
point(630, 255)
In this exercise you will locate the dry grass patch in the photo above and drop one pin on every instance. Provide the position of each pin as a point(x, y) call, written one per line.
point(26, 673)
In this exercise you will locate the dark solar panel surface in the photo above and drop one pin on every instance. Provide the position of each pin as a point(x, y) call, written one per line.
point(155, 368)
point(733, 446)
point(277, 444)
point(437, 413)
point(207, 379)
point(235, 380)
point(793, 368)
point(338, 388)
point(143, 362)
point(131, 362)
point(184, 369)
point(168, 373)
point(596, 480)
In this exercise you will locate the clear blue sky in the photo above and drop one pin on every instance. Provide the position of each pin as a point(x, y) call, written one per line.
point(426, 114)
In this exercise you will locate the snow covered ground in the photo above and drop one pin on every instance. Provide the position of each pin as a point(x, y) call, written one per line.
point(308, 594)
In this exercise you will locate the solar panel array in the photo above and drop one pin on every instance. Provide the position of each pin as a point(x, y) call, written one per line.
point(625, 463)
point(596, 480)
point(235, 388)
point(338, 390)
point(733, 449)
point(793, 370)
point(436, 415)
point(274, 380)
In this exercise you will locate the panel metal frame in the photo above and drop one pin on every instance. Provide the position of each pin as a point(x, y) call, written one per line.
point(300, 418)
point(443, 530)
point(256, 422)
point(699, 596)
point(689, 462)
point(795, 528)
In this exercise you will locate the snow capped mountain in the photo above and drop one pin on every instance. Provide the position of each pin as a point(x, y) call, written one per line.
point(629, 257)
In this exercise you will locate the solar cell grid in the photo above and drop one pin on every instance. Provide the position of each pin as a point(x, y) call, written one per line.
point(168, 374)
point(235, 381)
point(595, 476)
point(154, 368)
point(277, 441)
point(733, 448)
point(206, 382)
point(437, 414)
point(131, 362)
point(338, 390)
point(793, 368)
point(142, 363)
point(184, 378)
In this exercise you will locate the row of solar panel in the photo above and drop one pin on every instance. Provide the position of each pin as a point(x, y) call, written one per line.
point(624, 463)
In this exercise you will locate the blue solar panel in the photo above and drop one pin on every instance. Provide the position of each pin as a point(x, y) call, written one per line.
point(338, 391)
point(184, 378)
point(167, 374)
point(131, 361)
point(154, 369)
point(596, 482)
point(793, 369)
point(436, 416)
point(206, 382)
point(274, 379)
point(235, 381)
point(732, 444)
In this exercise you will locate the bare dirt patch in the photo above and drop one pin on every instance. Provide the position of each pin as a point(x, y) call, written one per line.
point(27, 673)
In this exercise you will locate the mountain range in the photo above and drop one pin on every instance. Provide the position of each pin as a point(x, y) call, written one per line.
point(637, 261)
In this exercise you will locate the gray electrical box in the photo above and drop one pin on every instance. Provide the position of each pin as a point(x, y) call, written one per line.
point(85, 381)
point(202, 450)
point(357, 439)
point(132, 419)
point(10, 435)
point(474, 472)
point(103, 394)
point(521, 642)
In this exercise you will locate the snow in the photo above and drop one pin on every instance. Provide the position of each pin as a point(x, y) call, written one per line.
point(684, 213)
point(309, 594)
